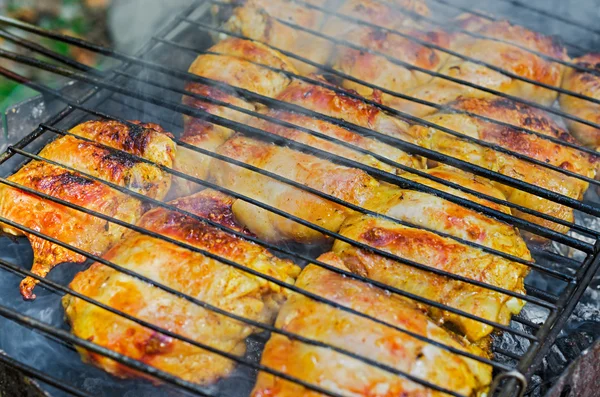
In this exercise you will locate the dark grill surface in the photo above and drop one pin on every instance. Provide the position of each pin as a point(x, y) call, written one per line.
point(550, 332)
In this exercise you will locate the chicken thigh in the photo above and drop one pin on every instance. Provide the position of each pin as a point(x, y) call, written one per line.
point(72, 226)
point(383, 72)
point(265, 21)
point(518, 141)
point(194, 274)
point(505, 55)
point(442, 253)
point(347, 376)
point(587, 84)
point(233, 67)
point(350, 184)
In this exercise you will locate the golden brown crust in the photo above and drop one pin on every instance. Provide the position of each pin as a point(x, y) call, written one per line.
point(520, 142)
point(73, 227)
point(504, 55)
point(439, 253)
point(235, 67)
point(345, 183)
point(191, 273)
point(587, 84)
point(148, 140)
point(337, 105)
point(347, 108)
point(378, 70)
point(344, 375)
point(258, 20)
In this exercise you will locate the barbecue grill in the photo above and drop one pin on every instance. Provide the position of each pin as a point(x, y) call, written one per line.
point(148, 86)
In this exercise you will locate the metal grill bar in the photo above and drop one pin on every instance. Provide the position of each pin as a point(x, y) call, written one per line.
point(345, 76)
point(387, 177)
point(439, 48)
point(66, 337)
point(402, 144)
point(436, 74)
point(37, 374)
point(64, 290)
point(582, 273)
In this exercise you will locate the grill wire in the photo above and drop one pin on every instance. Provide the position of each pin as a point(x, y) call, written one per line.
point(135, 68)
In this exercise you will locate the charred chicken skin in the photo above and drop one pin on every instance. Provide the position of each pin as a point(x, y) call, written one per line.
point(347, 376)
point(518, 141)
point(232, 67)
point(441, 253)
point(505, 55)
point(587, 84)
point(74, 227)
point(194, 274)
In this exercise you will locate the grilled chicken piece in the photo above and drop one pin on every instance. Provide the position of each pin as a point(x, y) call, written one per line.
point(346, 376)
point(234, 67)
point(439, 214)
point(505, 55)
point(518, 141)
point(379, 70)
point(345, 108)
point(191, 273)
point(441, 253)
point(349, 184)
point(71, 226)
point(586, 84)
point(265, 21)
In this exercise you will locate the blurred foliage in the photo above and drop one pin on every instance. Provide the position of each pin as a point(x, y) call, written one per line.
point(79, 18)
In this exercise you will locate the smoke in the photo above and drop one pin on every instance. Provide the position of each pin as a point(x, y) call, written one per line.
point(132, 23)
point(586, 12)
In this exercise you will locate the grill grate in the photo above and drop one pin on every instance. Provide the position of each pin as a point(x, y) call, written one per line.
point(557, 307)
